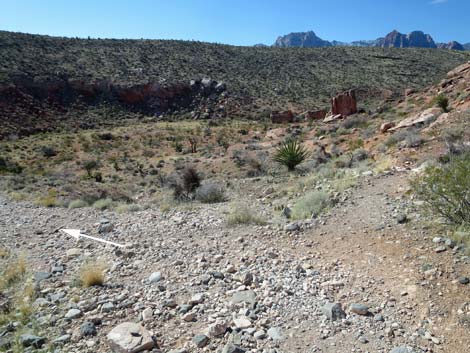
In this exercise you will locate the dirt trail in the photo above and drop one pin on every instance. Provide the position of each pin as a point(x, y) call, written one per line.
point(385, 260)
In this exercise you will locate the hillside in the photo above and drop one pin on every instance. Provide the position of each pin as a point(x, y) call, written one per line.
point(39, 76)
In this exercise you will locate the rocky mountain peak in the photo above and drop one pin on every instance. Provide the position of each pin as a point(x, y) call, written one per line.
point(301, 39)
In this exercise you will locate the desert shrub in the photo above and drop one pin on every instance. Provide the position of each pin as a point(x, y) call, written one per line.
point(127, 208)
point(210, 193)
point(355, 144)
point(78, 204)
point(185, 183)
point(7, 166)
point(413, 139)
point(242, 214)
point(103, 204)
point(442, 102)
point(445, 189)
point(92, 273)
point(89, 166)
point(106, 136)
point(12, 271)
point(290, 154)
point(311, 205)
point(48, 151)
point(354, 122)
point(399, 136)
point(49, 200)
point(360, 155)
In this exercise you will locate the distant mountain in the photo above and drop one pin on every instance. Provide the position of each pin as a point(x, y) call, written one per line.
point(415, 39)
point(467, 46)
point(395, 39)
point(453, 45)
point(301, 39)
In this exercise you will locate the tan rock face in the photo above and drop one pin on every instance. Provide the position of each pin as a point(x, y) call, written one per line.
point(129, 337)
point(422, 118)
point(282, 117)
point(344, 104)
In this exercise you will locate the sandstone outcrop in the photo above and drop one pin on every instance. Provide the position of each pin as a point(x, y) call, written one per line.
point(344, 104)
point(282, 117)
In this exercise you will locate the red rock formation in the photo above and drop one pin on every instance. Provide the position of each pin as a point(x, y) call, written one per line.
point(344, 104)
point(315, 114)
point(282, 117)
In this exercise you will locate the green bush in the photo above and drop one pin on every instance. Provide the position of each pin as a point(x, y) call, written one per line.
point(442, 102)
point(311, 205)
point(445, 189)
point(290, 154)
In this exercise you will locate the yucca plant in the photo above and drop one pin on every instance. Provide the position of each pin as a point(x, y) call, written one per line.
point(291, 153)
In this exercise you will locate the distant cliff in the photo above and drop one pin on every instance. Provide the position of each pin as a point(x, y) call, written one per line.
point(394, 39)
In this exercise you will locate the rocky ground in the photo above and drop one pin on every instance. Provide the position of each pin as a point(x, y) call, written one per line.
point(368, 276)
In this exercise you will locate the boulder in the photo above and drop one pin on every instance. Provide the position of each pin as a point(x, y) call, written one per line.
point(423, 118)
point(333, 311)
point(129, 337)
point(344, 103)
point(331, 118)
point(282, 117)
point(386, 126)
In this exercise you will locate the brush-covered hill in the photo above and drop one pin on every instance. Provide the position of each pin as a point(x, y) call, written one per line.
point(43, 77)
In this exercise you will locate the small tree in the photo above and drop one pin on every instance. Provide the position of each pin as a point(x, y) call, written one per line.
point(290, 154)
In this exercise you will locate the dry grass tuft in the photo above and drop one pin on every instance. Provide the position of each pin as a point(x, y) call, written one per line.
point(14, 270)
point(92, 273)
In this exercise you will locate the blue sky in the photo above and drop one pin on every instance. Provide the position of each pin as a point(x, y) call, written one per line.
point(239, 22)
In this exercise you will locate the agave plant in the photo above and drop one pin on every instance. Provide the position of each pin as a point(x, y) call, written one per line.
point(291, 153)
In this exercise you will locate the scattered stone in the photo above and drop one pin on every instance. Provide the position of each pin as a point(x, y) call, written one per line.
point(242, 322)
point(105, 226)
point(197, 299)
point(275, 333)
point(440, 249)
point(333, 311)
point(73, 314)
point(30, 340)
point(292, 227)
point(62, 339)
point(74, 252)
point(464, 280)
point(129, 337)
point(402, 218)
point(155, 277)
point(88, 328)
point(450, 243)
point(260, 335)
point(247, 296)
point(359, 309)
point(107, 307)
point(217, 329)
point(232, 348)
point(402, 349)
point(41, 276)
point(147, 314)
point(247, 278)
point(201, 341)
